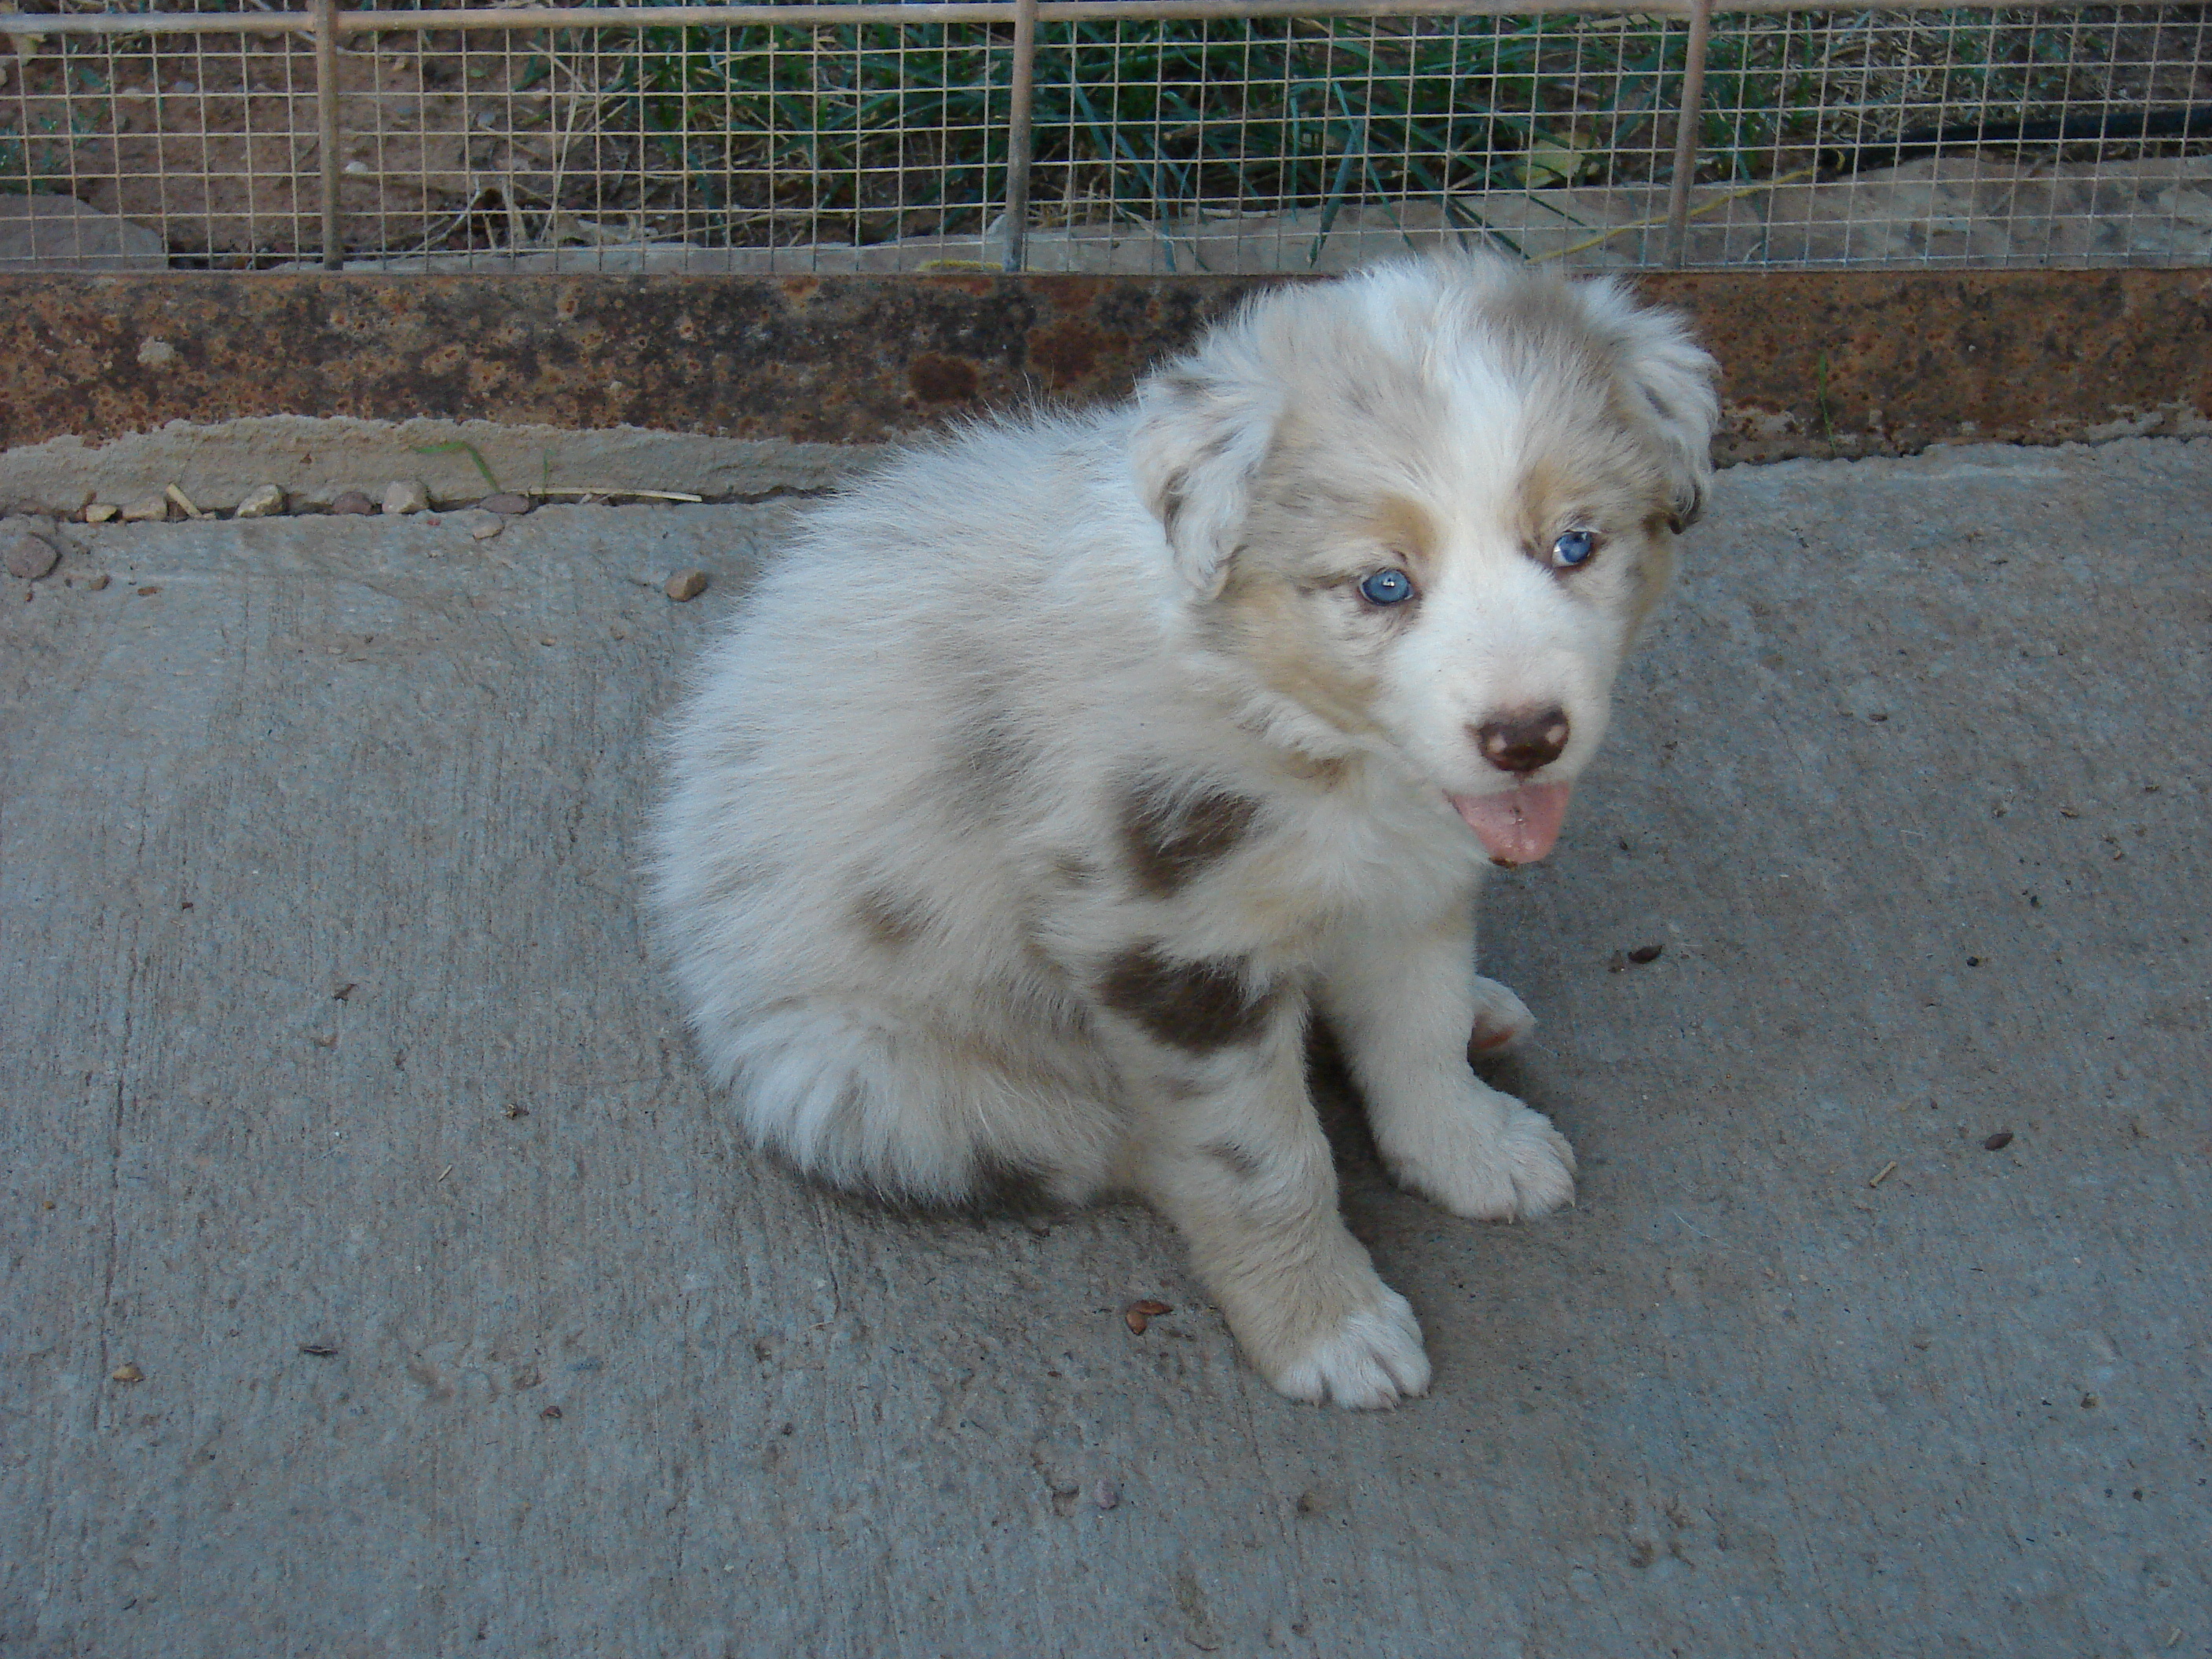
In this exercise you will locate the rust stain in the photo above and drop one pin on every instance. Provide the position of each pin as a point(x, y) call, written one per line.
point(1063, 352)
point(1815, 362)
point(941, 379)
point(1066, 293)
point(959, 281)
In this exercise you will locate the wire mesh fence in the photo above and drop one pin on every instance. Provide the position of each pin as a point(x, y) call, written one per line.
point(1096, 135)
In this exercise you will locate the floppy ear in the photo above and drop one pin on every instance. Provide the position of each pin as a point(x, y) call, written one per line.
point(1202, 432)
point(1668, 380)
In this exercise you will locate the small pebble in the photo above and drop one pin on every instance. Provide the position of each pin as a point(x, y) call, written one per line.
point(551, 1414)
point(100, 512)
point(1997, 1142)
point(95, 583)
point(126, 1374)
point(484, 529)
point(151, 509)
point(31, 556)
point(261, 501)
point(353, 502)
point(507, 503)
point(1105, 1494)
point(1643, 953)
point(406, 496)
point(686, 584)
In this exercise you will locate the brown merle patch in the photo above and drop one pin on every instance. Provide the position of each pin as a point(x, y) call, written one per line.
point(1406, 531)
point(889, 919)
point(1074, 869)
point(1240, 1163)
point(1196, 1006)
point(1170, 837)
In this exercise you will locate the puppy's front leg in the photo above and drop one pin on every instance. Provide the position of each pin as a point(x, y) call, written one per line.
point(1402, 1004)
point(1229, 1149)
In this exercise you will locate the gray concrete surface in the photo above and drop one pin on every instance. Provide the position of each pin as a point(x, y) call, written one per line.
point(316, 459)
point(317, 875)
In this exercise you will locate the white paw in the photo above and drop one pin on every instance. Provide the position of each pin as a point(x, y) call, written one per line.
point(1501, 1020)
point(1487, 1158)
point(1371, 1360)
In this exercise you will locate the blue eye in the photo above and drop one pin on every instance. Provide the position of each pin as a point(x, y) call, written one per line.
point(1387, 587)
point(1574, 547)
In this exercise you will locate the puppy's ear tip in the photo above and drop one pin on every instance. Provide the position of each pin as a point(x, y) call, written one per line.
point(1687, 508)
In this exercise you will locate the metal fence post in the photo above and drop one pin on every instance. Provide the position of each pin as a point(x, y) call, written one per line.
point(1018, 132)
point(326, 120)
point(1686, 132)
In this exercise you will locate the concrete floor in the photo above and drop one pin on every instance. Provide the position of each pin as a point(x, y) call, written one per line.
point(344, 1105)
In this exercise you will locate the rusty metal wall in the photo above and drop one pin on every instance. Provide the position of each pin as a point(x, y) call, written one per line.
point(1815, 364)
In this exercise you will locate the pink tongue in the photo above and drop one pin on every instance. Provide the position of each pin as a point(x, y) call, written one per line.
point(1519, 826)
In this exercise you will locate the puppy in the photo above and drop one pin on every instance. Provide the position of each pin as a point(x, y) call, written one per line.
point(1058, 774)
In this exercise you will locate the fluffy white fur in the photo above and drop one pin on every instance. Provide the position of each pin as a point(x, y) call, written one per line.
point(1058, 774)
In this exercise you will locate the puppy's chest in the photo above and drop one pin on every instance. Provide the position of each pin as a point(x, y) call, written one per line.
point(1283, 869)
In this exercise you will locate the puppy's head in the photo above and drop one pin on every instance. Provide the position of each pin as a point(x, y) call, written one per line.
point(1429, 507)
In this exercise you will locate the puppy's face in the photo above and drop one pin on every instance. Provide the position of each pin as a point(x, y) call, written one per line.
point(1463, 508)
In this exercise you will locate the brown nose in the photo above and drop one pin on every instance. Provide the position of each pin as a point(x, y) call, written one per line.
point(1523, 740)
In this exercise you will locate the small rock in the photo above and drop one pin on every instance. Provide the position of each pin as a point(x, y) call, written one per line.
point(353, 502)
point(151, 509)
point(100, 512)
point(1646, 953)
point(507, 502)
point(551, 1414)
point(1105, 1494)
point(485, 528)
point(156, 354)
point(96, 583)
point(319, 1350)
point(31, 556)
point(1997, 1142)
point(686, 584)
point(405, 495)
point(126, 1373)
point(261, 501)
point(73, 499)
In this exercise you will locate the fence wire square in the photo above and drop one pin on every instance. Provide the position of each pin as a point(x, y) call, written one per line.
point(147, 135)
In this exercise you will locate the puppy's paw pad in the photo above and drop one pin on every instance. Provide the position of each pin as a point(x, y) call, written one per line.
point(1501, 1020)
point(1370, 1361)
